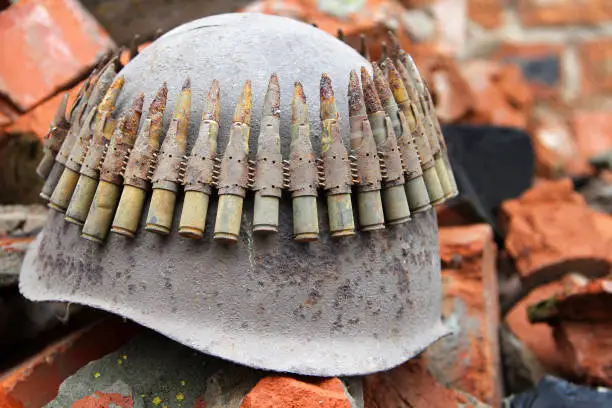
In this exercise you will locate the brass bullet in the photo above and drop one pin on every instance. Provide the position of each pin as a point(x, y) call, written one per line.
point(415, 187)
point(233, 177)
point(199, 169)
point(166, 175)
point(301, 173)
point(421, 133)
point(395, 202)
point(334, 156)
point(365, 165)
point(107, 194)
point(103, 129)
point(268, 181)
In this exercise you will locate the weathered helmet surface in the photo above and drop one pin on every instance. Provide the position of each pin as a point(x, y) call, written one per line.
point(344, 306)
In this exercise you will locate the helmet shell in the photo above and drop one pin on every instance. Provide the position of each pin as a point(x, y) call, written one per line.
point(334, 307)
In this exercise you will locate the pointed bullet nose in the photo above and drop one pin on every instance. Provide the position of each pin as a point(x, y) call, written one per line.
point(212, 107)
point(60, 113)
point(299, 109)
point(372, 102)
point(271, 105)
point(327, 99)
point(242, 114)
point(355, 96)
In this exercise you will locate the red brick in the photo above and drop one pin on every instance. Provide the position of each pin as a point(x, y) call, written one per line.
point(539, 337)
point(592, 132)
point(487, 13)
point(468, 359)
point(540, 63)
point(46, 45)
point(452, 93)
point(35, 382)
point(411, 385)
point(562, 12)
point(38, 119)
point(501, 95)
point(281, 392)
point(550, 229)
point(555, 148)
point(596, 66)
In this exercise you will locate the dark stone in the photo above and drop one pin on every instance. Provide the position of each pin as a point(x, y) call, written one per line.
point(554, 392)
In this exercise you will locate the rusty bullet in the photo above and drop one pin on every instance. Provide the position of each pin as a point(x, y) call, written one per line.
point(53, 140)
point(421, 130)
point(104, 203)
point(268, 181)
point(234, 173)
point(103, 129)
point(199, 168)
point(301, 172)
point(395, 202)
point(415, 187)
point(166, 176)
point(139, 164)
point(366, 163)
point(338, 178)
point(74, 157)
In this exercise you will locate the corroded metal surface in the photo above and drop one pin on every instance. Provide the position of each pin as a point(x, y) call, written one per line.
point(332, 307)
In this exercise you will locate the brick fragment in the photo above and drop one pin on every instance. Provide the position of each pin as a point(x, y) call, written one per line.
point(452, 93)
point(539, 337)
point(488, 13)
point(7, 113)
point(468, 359)
point(35, 382)
point(501, 94)
point(557, 153)
point(38, 119)
point(412, 385)
point(596, 66)
point(46, 45)
point(561, 12)
point(281, 392)
point(591, 131)
point(550, 230)
point(540, 63)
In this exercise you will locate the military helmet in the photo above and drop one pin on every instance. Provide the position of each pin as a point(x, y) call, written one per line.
point(253, 188)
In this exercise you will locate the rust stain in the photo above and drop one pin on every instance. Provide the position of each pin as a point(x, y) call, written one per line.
point(104, 400)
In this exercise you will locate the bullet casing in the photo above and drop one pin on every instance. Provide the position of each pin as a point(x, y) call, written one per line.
point(395, 203)
point(127, 216)
point(199, 177)
point(80, 203)
point(338, 180)
point(101, 212)
point(268, 177)
point(369, 201)
point(303, 183)
point(233, 182)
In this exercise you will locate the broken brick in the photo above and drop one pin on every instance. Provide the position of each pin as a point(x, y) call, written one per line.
point(591, 131)
point(35, 382)
point(281, 392)
point(488, 13)
point(38, 120)
point(501, 95)
point(562, 12)
point(468, 359)
point(556, 151)
point(596, 66)
point(581, 317)
point(538, 337)
point(540, 63)
point(47, 45)
point(550, 230)
point(452, 93)
point(412, 385)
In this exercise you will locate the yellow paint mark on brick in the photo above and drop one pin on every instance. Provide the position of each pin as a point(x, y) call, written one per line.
point(96, 375)
point(180, 396)
point(156, 401)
